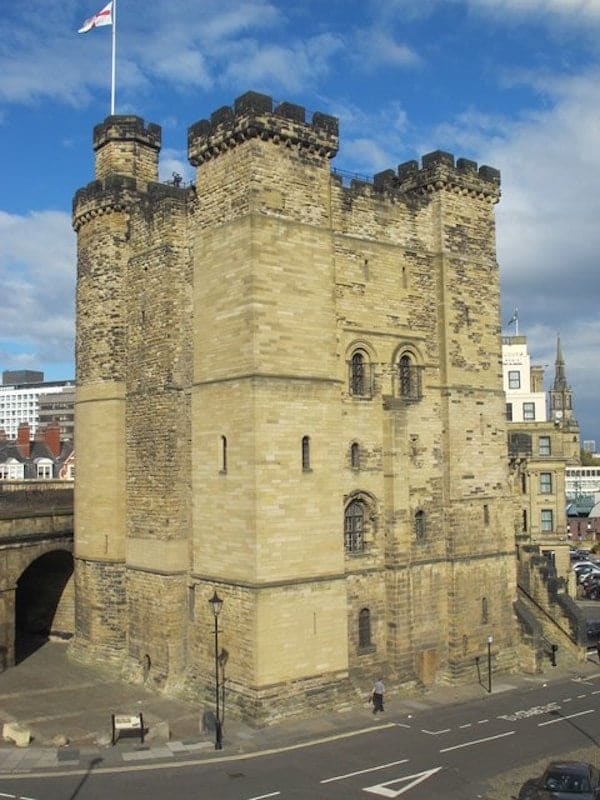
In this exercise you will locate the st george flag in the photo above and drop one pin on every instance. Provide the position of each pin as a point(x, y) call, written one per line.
point(103, 17)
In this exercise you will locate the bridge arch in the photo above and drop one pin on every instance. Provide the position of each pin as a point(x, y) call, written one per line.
point(44, 602)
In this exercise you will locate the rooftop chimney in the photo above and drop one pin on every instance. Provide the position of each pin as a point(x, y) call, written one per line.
point(24, 439)
point(52, 438)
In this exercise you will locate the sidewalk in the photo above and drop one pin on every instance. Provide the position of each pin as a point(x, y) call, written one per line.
point(56, 698)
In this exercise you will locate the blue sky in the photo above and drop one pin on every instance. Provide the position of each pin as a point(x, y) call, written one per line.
point(510, 83)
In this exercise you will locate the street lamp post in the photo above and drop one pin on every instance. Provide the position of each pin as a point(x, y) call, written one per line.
point(217, 604)
point(490, 639)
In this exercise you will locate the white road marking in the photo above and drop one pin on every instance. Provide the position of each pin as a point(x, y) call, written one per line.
point(468, 725)
point(476, 741)
point(7, 795)
point(596, 692)
point(382, 788)
point(581, 696)
point(481, 721)
point(567, 699)
point(569, 716)
point(436, 733)
point(364, 771)
point(402, 725)
point(263, 796)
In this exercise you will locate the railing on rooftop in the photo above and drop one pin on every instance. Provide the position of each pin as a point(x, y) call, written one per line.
point(348, 177)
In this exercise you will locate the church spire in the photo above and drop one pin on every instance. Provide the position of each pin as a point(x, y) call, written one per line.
point(560, 378)
point(561, 400)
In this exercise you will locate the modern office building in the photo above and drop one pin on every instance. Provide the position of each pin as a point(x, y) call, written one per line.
point(20, 400)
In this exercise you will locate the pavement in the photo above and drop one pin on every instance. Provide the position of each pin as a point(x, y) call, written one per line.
point(68, 706)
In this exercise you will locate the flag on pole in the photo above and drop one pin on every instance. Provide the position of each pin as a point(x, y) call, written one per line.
point(514, 318)
point(104, 17)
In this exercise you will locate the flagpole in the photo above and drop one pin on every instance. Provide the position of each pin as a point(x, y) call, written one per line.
point(114, 58)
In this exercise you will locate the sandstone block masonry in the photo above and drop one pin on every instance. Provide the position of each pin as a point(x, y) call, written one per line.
point(290, 391)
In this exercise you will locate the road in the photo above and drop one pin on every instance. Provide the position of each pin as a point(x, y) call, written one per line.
point(454, 752)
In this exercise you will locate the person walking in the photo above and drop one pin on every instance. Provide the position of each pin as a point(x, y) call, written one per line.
point(378, 690)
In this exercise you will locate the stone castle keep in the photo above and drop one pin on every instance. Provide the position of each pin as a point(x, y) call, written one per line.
point(290, 391)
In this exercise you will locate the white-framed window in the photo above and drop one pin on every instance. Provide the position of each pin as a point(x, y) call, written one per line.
point(545, 448)
point(514, 379)
point(547, 520)
point(528, 412)
point(545, 482)
point(44, 469)
point(12, 470)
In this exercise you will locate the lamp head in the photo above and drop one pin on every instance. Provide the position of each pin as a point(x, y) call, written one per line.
point(216, 604)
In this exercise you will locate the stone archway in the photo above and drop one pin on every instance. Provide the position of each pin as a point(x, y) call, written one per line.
point(44, 602)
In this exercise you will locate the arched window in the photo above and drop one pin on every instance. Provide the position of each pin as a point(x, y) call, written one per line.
point(223, 454)
point(364, 628)
point(354, 527)
point(409, 379)
point(355, 455)
point(358, 383)
point(306, 453)
point(420, 524)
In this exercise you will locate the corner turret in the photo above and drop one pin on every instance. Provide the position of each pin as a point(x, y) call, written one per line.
point(124, 145)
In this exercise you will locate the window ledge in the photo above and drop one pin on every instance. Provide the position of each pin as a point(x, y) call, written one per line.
point(364, 651)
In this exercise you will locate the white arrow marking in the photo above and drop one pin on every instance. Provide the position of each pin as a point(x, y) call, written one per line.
point(382, 790)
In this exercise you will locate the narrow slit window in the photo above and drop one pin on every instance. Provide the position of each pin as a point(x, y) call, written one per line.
point(306, 453)
point(223, 454)
point(364, 628)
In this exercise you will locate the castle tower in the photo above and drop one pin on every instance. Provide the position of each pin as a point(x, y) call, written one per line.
point(101, 219)
point(265, 410)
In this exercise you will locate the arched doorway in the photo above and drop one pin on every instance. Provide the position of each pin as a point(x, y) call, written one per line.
point(44, 602)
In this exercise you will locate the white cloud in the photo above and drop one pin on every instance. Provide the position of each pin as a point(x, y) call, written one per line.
point(376, 47)
point(37, 274)
point(292, 67)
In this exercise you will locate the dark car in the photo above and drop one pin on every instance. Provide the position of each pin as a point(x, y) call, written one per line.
point(579, 555)
point(564, 780)
point(593, 632)
point(590, 587)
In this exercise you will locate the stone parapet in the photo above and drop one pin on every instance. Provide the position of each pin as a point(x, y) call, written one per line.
point(439, 171)
point(253, 116)
point(127, 128)
point(114, 193)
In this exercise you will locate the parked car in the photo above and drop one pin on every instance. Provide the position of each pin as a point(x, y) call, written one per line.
point(579, 555)
point(590, 586)
point(593, 632)
point(584, 569)
point(564, 780)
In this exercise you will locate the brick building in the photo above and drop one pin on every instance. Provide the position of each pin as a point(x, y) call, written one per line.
point(308, 379)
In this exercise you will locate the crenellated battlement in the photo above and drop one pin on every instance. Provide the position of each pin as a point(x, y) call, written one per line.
point(439, 171)
point(114, 193)
point(127, 128)
point(253, 115)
